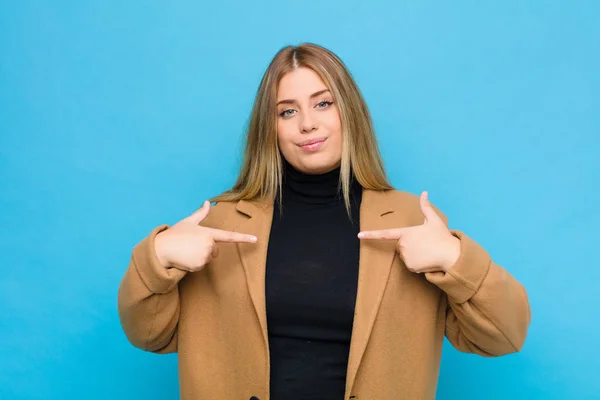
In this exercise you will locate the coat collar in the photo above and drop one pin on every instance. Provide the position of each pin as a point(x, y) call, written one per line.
point(375, 263)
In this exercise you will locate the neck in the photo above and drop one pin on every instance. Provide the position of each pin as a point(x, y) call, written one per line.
point(316, 189)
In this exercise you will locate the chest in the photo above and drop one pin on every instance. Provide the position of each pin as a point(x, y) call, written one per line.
point(312, 272)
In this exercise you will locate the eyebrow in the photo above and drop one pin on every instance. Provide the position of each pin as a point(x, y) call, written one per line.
point(315, 94)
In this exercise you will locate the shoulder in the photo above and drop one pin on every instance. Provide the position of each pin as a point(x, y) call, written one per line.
point(229, 214)
point(403, 197)
point(395, 199)
point(405, 204)
point(220, 215)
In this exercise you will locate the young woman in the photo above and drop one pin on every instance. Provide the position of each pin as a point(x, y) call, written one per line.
point(312, 278)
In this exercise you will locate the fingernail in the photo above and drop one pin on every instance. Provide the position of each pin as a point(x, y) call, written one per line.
point(253, 238)
point(361, 235)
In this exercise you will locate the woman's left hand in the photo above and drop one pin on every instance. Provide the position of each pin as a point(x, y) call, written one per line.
point(429, 247)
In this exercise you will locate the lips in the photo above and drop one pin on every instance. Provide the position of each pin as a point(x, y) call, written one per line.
point(313, 145)
point(312, 141)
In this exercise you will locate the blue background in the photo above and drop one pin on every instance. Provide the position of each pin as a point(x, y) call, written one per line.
point(118, 116)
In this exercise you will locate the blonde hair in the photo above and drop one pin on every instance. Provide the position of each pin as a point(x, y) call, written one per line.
point(260, 176)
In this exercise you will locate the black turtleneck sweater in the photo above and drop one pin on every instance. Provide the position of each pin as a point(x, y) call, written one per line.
point(311, 282)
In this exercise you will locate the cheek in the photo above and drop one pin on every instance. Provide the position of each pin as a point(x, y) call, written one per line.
point(334, 125)
point(284, 137)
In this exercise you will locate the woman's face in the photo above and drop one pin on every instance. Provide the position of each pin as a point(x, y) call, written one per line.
point(309, 129)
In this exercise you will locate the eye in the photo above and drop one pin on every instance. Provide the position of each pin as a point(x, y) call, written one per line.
point(287, 113)
point(324, 104)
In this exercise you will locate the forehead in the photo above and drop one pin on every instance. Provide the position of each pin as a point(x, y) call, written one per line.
point(299, 83)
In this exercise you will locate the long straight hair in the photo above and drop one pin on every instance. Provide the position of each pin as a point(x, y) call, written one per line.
point(261, 172)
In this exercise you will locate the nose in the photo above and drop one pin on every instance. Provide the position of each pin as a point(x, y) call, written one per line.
point(308, 123)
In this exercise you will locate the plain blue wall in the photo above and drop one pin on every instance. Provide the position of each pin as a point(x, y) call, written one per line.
point(117, 116)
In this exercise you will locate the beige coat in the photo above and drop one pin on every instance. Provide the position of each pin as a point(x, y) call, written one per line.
point(216, 318)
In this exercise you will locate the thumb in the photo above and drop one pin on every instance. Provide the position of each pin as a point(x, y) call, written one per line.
point(200, 214)
point(426, 208)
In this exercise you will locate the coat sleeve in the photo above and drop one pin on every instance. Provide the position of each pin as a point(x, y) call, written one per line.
point(488, 310)
point(148, 299)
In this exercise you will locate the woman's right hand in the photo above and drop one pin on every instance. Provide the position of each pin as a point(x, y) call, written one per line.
point(189, 247)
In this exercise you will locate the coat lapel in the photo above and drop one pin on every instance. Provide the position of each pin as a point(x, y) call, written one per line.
point(254, 255)
point(375, 263)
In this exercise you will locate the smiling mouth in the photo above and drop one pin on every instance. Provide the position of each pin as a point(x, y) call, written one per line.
point(312, 144)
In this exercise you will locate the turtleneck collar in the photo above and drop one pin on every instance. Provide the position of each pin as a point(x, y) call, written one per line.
point(315, 189)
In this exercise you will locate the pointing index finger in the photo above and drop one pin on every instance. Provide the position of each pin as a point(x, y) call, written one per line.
point(385, 234)
point(227, 236)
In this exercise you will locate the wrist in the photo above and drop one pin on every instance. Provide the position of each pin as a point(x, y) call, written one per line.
point(159, 252)
point(453, 254)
